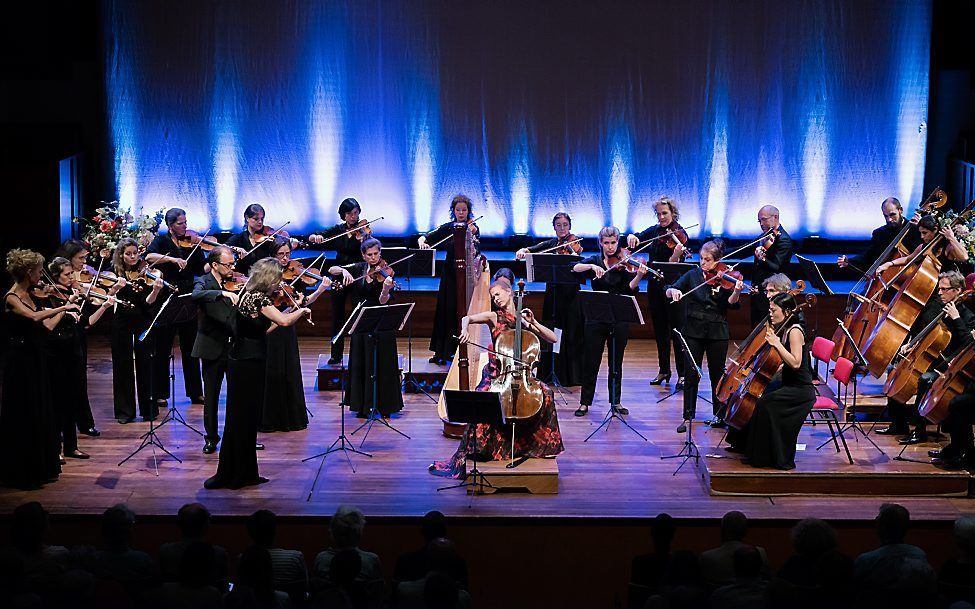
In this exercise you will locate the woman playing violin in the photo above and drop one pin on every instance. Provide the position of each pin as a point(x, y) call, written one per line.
point(29, 440)
point(561, 307)
point(619, 280)
point(255, 239)
point(769, 438)
point(535, 437)
point(668, 246)
point(284, 393)
point(63, 349)
point(255, 316)
point(180, 265)
point(127, 325)
point(706, 325)
point(442, 342)
point(347, 252)
point(373, 289)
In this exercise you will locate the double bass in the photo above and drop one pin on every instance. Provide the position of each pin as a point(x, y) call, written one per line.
point(520, 392)
point(863, 310)
point(758, 372)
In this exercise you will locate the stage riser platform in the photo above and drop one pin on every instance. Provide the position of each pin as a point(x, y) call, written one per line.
point(426, 376)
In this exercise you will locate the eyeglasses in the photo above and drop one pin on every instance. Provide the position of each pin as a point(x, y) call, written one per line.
point(228, 265)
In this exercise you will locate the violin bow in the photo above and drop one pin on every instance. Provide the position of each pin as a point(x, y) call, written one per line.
point(748, 245)
point(351, 230)
point(555, 247)
point(276, 231)
point(669, 233)
point(731, 267)
point(520, 362)
point(198, 244)
point(305, 269)
point(295, 302)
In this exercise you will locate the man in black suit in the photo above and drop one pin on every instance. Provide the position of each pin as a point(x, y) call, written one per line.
point(213, 335)
point(882, 237)
point(769, 260)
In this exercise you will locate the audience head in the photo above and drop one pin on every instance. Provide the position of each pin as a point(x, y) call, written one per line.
point(734, 526)
point(965, 534)
point(193, 520)
point(440, 592)
point(196, 564)
point(748, 562)
point(892, 523)
point(345, 567)
point(663, 529)
point(346, 527)
point(28, 527)
point(812, 537)
point(255, 572)
point(433, 526)
point(262, 526)
point(117, 523)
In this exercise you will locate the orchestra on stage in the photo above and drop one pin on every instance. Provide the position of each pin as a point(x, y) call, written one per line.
point(232, 308)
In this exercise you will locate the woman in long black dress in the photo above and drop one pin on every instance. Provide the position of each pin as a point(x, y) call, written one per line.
point(769, 438)
point(246, 370)
point(535, 437)
point(284, 392)
point(133, 384)
point(442, 342)
point(29, 439)
point(65, 353)
point(561, 307)
point(373, 290)
point(665, 314)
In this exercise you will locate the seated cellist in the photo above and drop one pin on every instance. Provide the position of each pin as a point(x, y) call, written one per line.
point(960, 452)
point(960, 321)
point(535, 437)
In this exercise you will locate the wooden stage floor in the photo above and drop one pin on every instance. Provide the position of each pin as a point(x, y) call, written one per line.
point(616, 475)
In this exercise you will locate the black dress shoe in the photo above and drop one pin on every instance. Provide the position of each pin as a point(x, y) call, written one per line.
point(77, 454)
point(915, 437)
point(680, 384)
point(91, 431)
point(434, 359)
point(959, 461)
point(662, 377)
point(582, 410)
point(682, 428)
point(717, 423)
point(258, 446)
point(945, 452)
point(124, 421)
point(620, 409)
point(334, 361)
point(209, 447)
point(197, 400)
point(892, 430)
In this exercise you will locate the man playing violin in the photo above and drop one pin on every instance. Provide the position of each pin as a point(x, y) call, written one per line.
point(179, 266)
point(214, 333)
point(606, 274)
point(560, 308)
point(347, 252)
point(881, 237)
point(668, 246)
point(771, 256)
point(960, 321)
point(706, 325)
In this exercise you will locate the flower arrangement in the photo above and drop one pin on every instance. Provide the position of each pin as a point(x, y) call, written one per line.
point(110, 224)
point(964, 230)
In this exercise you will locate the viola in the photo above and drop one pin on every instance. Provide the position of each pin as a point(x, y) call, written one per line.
point(520, 392)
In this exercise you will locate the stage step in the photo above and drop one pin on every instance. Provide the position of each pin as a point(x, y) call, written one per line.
point(425, 376)
point(535, 476)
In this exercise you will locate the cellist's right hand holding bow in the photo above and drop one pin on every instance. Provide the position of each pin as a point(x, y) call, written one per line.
point(951, 310)
point(883, 267)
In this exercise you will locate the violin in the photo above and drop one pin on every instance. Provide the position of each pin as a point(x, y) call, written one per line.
point(675, 236)
point(235, 283)
point(380, 272)
point(148, 278)
point(769, 240)
point(191, 239)
point(569, 245)
point(725, 276)
point(47, 291)
point(284, 295)
point(520, 392)
point(362, 230)
point(297, 271)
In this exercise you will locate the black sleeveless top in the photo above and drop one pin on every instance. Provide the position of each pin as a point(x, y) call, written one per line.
point(803, 374)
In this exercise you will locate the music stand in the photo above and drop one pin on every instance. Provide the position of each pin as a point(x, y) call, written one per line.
point(815, 277)
point(553, 269)
point(344, 444)
point(473, 408)
point(184, 310)
point(368, 322)
point(689, 449)
point(411, 263)
point(603, 307)
point(672, 270)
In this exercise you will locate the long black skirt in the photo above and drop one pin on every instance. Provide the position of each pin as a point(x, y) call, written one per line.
point(770, 437)
point(561, 310)
point(390, 396)
point(284, 393)
point(238, 452)
point(442, 342)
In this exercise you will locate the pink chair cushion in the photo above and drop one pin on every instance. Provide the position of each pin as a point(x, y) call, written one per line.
point(843, 370)
point(825, 403)
point(822, 349)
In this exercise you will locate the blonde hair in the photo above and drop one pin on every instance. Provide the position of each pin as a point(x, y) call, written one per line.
point(674, 211)
point(20, 262)
point(118, 263)
point(609, 231)
point(265, 274)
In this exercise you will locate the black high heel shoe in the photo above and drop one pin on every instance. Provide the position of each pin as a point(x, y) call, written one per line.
point(680, 384)
point(662, 377)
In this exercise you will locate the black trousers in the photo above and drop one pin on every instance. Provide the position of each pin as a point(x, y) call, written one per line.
point(665, 316)
point(716, 352)
point(128, 377)
point(214, 371)
point(339, 298)
point(64, 363)
point(958, 423)
point(164, 338)
point(82, 415)
point(902, 415)
point(596, 337)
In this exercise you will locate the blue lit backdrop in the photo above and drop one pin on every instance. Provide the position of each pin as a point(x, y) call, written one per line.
point(591, 107)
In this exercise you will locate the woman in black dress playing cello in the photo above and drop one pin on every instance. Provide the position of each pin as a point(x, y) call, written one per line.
point(536, 437)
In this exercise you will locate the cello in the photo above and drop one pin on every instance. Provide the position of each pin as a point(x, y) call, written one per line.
point(520, 392)
point(757, 373)
point(960, 372)
point(863, 310)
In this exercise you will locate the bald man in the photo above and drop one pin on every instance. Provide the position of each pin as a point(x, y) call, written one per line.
point(881, 237)
point(769, 261)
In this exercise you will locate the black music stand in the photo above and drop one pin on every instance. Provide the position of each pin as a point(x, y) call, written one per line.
point(344, 444)
point(854, 424)
point(183, 311)
point(553, 269)
point(473, 408)
point(603, 307)
point(689, 449)
point(815, 277)
point(411, 263)
point(369, 321)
